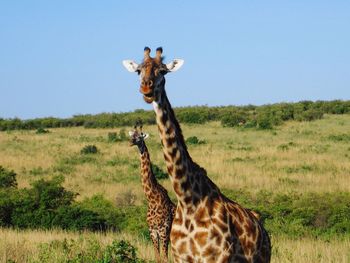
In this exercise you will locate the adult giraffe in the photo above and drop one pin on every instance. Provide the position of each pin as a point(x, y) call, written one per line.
point(208, 227)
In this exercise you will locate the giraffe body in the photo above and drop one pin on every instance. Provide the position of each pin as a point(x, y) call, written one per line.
point(161, 210)
point(208, 227)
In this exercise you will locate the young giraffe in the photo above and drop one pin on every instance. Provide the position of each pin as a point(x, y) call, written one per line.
point(208, 227)
point(161, 210)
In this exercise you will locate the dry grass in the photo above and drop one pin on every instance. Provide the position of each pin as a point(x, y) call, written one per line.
point(296, 156)
point(24, 246)
point(310, 250)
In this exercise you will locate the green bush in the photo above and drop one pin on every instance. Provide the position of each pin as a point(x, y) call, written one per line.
point(74, 217)
point(121, 252)
point(309, 115)
point(158, 172)
point(312, 214)
point(6, 207)
point(339, 137)
point(133, 220)
point(191, 115)
point(194, 140)
point(233, 119)
point(7, 178)
point(264, 122)
point(112, 137)
point(37, 206)
point(89, 149)
point(41, 131)
point(46, 205)
point(268, 117)
point(123, 136)
point(105, 208)
point(115, 137)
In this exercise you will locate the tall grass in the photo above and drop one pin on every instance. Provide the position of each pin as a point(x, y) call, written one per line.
point(298, 156)
point(34, 245)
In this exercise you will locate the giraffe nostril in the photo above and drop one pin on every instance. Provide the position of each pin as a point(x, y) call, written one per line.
point(143, 83)
point(150, 83)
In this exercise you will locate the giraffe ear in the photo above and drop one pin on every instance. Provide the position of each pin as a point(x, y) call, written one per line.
point(131, 133)
point(175, 65)
point(145, 136)
point(130, 65)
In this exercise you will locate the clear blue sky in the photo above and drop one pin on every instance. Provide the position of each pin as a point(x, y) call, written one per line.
point(60, 58)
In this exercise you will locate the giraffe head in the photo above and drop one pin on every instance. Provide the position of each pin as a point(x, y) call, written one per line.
point(152, 72)
point(137, 137)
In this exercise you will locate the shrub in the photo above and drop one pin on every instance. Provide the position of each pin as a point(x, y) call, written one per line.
point(158, 172)
point(89, 149)
point(122, 135)
point(47, 204)
point(133, 220)
point(339, 137)
point(309, 115)
point(233, 119)
point(41, 131)
point(112, 137)
point(115, 137)
point(191, 115)
point(121, 252)
point(7, 178)
point(312, 214)
point(6, 207)
point(75, 217)
point(194, 140)
point(264, 122)
point(51, 194)
point(37, 206)
point(267, 118)
point(105, 208)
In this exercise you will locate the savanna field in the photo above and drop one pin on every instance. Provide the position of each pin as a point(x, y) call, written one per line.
point(69, 201)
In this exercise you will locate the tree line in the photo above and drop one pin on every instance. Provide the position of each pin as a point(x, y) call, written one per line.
point(249, 116)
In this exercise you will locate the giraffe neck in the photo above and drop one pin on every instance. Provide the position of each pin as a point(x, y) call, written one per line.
point(149, 182)
point(142, 147)
point(177, 158)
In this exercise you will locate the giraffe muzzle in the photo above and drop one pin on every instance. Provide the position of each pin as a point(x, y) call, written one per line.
point(147, 92)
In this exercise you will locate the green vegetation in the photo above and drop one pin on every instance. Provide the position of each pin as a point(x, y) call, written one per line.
point(42, 131)
point(47, 205)
point(158, 172)
point(299, 215)
point(71, 251)
point(340, 137)
point(7, 178)
point(89, 149)
point(263, 117)
point(115, 137)
point(194, 140)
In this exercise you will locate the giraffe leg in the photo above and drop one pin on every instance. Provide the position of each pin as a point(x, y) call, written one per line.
point(164, 241)
point(155, 240)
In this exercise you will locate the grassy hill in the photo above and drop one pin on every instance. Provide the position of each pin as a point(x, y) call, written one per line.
point(296, 175)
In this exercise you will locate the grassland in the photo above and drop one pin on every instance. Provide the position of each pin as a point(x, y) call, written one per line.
point(59, 246)
point(299, 157)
